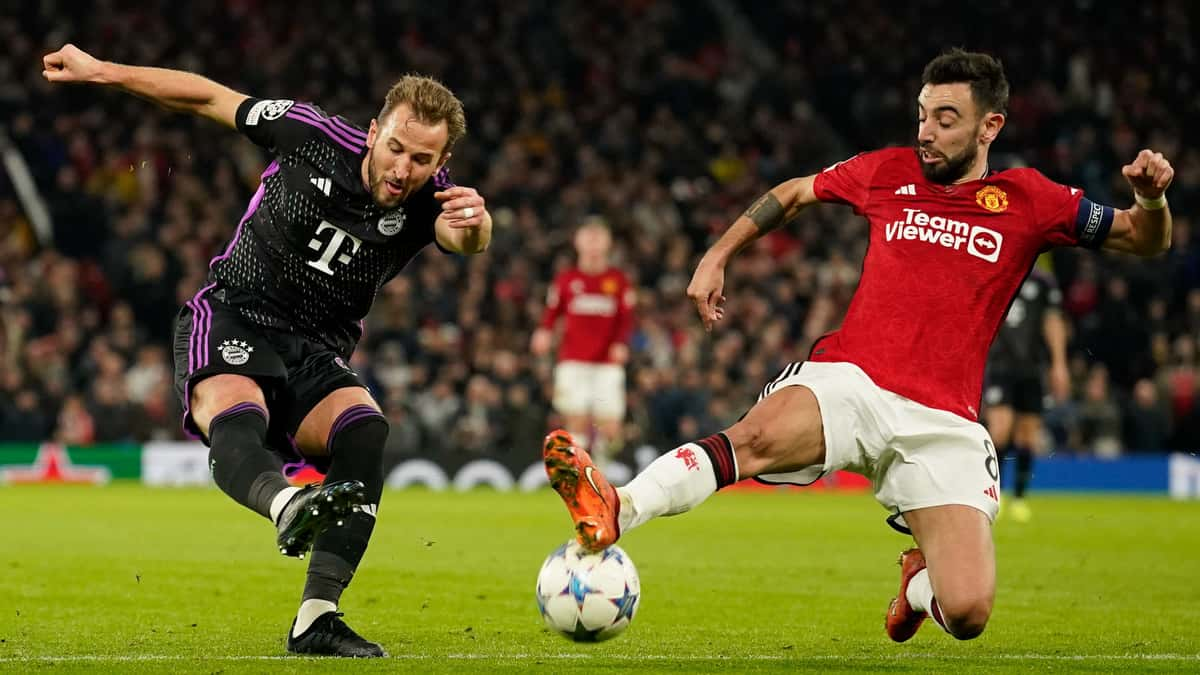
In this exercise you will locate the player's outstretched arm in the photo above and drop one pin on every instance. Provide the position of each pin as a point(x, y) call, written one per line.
point(1145, 229)
point(776, 207)
point(173, 89)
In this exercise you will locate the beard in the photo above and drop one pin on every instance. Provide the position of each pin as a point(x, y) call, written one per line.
point(951, 169)
point(379, 194)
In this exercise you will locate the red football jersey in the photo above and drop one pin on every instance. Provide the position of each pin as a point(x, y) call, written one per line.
point(599, 311)
point(942, 266)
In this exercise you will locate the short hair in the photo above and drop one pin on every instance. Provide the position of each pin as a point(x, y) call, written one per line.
point(983, 72)
point(595, 221)
point(431, 102)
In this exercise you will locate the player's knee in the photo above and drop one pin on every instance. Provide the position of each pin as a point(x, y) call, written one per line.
point(214, 395)
point(966, 617)
point(753, 447)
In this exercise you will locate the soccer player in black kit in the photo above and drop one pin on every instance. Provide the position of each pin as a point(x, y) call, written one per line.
point(261, 350)
point(1031, 341)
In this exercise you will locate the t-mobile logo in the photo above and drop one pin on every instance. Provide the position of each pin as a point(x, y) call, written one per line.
point(331, 249)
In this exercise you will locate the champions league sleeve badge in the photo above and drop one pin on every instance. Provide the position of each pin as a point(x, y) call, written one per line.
point(268, 110)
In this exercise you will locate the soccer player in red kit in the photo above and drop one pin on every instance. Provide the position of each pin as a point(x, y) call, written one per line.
point(894, 394)
point(598, 303)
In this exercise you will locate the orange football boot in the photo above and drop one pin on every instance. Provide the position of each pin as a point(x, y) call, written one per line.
point(902, 621)
point(591, 499)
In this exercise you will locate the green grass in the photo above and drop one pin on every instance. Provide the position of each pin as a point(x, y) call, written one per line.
point(130, 579)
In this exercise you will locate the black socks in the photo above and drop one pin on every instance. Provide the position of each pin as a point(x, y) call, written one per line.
point(356, 453)
point(240, 464)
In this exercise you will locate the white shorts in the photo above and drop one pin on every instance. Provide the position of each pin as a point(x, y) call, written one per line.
point(582, 388)
point(915, 456)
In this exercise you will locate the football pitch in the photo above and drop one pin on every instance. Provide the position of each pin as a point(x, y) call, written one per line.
point(133, 579)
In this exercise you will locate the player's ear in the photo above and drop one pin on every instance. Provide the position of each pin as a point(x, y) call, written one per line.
point(372, 132)
point(445, 158)
point(992, 124)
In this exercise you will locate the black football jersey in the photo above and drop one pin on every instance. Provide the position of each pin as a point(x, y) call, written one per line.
point(1020, 344)
point(313, 248)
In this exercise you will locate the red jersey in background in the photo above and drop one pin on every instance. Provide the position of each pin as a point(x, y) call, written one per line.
point(598, 309)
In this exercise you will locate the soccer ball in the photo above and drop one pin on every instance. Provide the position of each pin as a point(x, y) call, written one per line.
point(588, 597)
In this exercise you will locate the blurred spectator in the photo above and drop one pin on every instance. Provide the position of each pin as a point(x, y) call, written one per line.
point(652, 114)
point(1147, 423)
point(1099, 415)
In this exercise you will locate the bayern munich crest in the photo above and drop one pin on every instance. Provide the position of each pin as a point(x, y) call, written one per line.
point(391, 223)
point(235, 352)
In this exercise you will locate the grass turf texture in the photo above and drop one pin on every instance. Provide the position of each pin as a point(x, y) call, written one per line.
point(132, 579)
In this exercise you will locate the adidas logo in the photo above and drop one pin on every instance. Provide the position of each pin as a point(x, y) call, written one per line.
point(910, 189)
point(323, 184)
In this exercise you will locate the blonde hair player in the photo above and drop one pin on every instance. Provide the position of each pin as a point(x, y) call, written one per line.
point(261, 350)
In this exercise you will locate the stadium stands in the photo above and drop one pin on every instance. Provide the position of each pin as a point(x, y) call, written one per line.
point(666, 118)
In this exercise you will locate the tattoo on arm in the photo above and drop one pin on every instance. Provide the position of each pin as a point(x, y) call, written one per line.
point(767, 213)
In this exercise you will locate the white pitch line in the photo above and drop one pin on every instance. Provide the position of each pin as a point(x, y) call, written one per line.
point(99, 658)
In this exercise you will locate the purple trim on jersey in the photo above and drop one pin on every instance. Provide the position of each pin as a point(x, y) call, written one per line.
point(191, 341)
point(202, 311)
point(441, 179)
point(201, 321)
point(238, 409)
point(255, 202)
point(208, 315)
point(201, 325)
point(350, 416)
point(356, 134)
point(327, 122)
point(187, 410)
point(338, 137)
point(353, 132)
point(292, 468)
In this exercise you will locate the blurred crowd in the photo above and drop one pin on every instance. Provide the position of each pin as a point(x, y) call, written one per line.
point(665, 118)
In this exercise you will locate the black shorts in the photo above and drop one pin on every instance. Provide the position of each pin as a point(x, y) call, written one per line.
point(294, 372)
point(1021, 391)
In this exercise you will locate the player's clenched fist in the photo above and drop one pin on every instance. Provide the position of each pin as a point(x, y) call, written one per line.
point(71, 64)
point(462, 206)
point(1149, 174)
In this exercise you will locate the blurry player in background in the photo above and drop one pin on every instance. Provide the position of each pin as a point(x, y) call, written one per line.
point(589, 378)
point(1033, 333)
point(893, 393)
point(261, 351)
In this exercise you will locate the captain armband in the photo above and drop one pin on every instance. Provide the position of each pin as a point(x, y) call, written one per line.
point(1092, 223)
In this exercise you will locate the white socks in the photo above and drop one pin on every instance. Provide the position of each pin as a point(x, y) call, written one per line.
point(675, 482)
point(310, 610)
point(920, 592)
point(280, 500)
